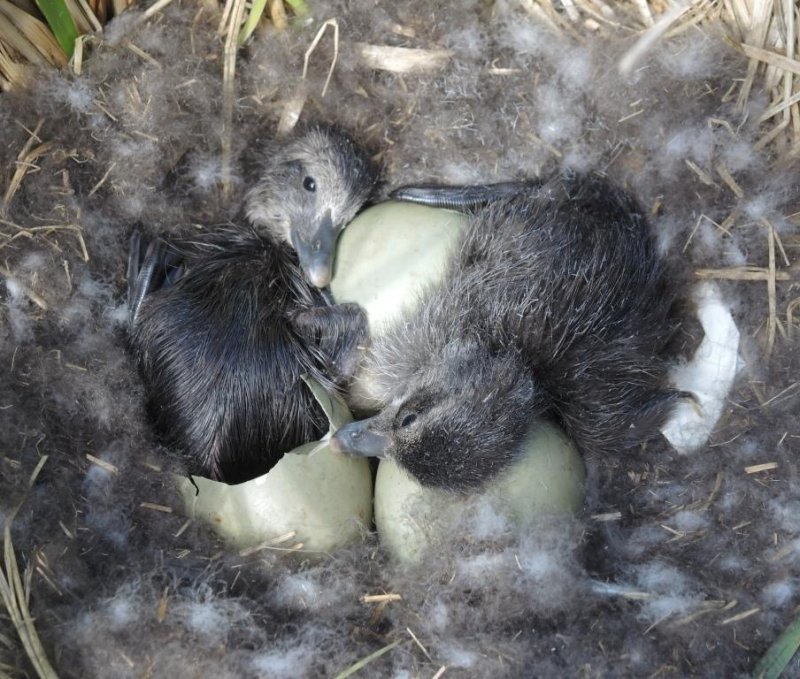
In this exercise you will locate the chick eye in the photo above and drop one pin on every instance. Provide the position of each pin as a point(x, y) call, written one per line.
point(408, 420)
point(309, 184)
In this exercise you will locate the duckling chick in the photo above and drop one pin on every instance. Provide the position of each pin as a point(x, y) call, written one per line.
point(556, 304)
point(310, 189)
point(224, 326)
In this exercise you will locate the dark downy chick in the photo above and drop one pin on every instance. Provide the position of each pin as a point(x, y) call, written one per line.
point(556, 304)
point(224, 326)
point(309, 191)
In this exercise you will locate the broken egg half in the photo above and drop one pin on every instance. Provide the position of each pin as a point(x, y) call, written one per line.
point(312, 500)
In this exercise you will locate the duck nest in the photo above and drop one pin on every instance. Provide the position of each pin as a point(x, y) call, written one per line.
point(685, 563)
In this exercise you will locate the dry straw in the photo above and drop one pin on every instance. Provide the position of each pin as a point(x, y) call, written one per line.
point(765, 31)
point(15, 590)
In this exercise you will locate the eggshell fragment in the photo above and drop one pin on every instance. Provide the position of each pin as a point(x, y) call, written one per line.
point(709, 375)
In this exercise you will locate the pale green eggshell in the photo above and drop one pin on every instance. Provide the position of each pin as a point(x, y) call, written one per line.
point(324, 498)
point(389, 253)
point(549, 478)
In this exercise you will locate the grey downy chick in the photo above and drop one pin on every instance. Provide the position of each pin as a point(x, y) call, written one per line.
point(556, 304)
point(224, 326)
point(309, 191)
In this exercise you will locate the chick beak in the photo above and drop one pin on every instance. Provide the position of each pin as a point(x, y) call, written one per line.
point(358, 440)
point(316, 253)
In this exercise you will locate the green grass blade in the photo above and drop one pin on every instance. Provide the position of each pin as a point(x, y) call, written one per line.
point(780, 654)
point(365, 661)
point(60, 22)
point(253, 18)
point(299, 7)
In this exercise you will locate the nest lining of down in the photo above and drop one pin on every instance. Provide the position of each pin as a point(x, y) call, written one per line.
point(684, 564)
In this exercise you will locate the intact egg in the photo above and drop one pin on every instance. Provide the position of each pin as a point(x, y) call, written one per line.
point(389, 253)
point(548, 478)
point(385, 259)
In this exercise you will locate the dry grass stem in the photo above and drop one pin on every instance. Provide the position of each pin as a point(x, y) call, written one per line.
point(334, 24)
point(780, 61)
point(139, 52)
point(782, 394)
point(794, 304)
point(184, 527)
point(419, 643)
point(779, 244)
point(23, 161)
point(224, 20)
point(650, 37)
point(703, 505)
point(771, 289)
point(66, 530)
point(607, 516)
point(15, 596)
point(161, 611)
point(291, 112)
point(707, 607)
point(702, 175)
point(756, 35)
point(268, 544)
point(741, 616)
point(103, 179)
point(757, 468)
point(24, 289)
point(403, 59)
point(574, 15)
point(12, 74)
point(44, 231)
point(545, 12)
point(657, 623)
point(92, 23)
point(112, 469)
point(741, 273)
point(730, 182)
point(235, 10)
point(380, 598)
point(155, 8)
point(77, 55)
point(25, 165)
point(156, 507)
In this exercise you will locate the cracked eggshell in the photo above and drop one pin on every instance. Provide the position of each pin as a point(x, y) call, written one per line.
point(318, 498)
point(548, 478)
point(709, 375)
